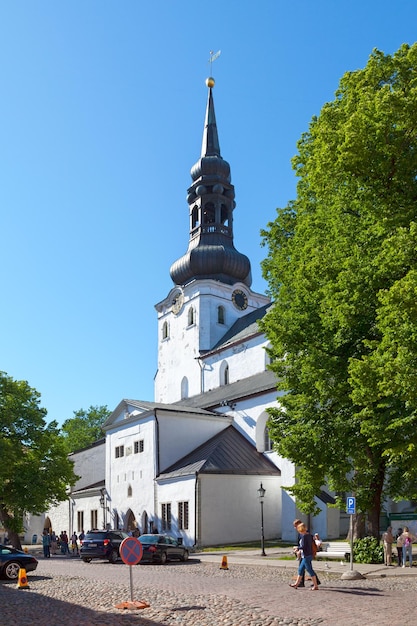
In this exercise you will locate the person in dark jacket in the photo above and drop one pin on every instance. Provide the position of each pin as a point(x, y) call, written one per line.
point(306, 554)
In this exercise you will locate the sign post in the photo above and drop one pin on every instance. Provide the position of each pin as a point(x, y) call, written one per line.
point(351, 510)
point(131, 552)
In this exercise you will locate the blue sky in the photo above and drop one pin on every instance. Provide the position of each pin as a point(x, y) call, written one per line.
point(102, 112)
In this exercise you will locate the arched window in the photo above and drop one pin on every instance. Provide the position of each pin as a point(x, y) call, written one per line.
point(190, 316)
point(224, 215)
point(165, 330)
point(220, 315)
point(224, 374)
point(129, 491)
point(194, 217)
point(209, 214)
point(268, 445)
point(184, 388)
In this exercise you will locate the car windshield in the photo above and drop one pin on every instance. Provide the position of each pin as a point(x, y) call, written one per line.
point(95, 536)
point(149, 538)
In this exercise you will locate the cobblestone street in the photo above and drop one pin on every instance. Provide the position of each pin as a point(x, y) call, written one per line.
point(65, 591)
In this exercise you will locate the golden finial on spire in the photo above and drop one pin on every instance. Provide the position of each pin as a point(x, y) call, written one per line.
point(213, 56)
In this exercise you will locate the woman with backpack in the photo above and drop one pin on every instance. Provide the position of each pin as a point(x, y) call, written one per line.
point(407, 539)
point(306, 553)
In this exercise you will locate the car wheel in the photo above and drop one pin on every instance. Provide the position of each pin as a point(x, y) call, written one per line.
point(87, 560)
point(12, 570)
point(113, 556)
point(185, 556)
point(163, 558)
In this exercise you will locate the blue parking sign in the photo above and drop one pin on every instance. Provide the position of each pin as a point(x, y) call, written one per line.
point(351, 505)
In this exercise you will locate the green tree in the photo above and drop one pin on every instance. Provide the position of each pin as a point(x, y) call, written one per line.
point(34, 471)
point(84, 428)
point(342, 269)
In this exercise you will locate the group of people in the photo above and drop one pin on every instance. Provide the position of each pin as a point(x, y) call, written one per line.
point(403, 540)
point(51, 543)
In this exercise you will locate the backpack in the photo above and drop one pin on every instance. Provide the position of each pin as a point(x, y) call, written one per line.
point(313, 547)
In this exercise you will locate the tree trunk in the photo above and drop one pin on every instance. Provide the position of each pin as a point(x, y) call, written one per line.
point(358, 526)
point(7, 522)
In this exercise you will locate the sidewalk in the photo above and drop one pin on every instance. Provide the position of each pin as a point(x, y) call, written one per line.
point(273, 558)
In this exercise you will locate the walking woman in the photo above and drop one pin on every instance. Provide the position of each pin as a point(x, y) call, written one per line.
point(306, 553)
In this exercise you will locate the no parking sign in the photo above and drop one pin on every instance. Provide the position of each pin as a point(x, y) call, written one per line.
point(131, 551)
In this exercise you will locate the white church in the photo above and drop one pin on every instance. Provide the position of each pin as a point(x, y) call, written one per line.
point(191, 462)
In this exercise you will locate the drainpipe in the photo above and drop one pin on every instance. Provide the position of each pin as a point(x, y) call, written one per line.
point(201, 364)
point(156, 470)
point(196, 508)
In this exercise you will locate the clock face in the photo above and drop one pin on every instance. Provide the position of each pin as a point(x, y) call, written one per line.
point(240, 299)
point(177, 303)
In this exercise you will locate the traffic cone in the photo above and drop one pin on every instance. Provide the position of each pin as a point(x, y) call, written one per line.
point(224, 563)
point(22, 581)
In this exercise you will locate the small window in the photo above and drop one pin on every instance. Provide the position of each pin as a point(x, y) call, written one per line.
point(165, 330)
point(119, 451)
point(138, 446)
point(166, 516)
point(183, 515)
point(220, 315)
point(191, 316)
point(129, 491)
point(94, 518)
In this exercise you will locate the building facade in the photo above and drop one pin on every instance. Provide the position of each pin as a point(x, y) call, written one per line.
point(191, 462)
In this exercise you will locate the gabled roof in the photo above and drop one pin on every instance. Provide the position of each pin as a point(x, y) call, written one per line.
point(142, 408)
point(250, 387)
point(244, 328)
point(228, 452)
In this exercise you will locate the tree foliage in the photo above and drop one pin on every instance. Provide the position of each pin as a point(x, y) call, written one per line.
point(342, 269)
point(34, 469)
point(84, 428)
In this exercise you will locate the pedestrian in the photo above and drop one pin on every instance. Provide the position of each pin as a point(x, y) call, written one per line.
point(399, 547)
point(74, 543)
point(297, 552)
point(64, 542)
point(388, 539)
point(46, 544)
point(81, 536)
point(54, 542)
point(306, 557)
point(407, 539)
point(318, 542)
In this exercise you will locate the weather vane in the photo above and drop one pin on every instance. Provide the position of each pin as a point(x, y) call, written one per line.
point(213, 57)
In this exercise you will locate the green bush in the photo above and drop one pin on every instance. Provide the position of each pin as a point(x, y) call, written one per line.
point(368, 550)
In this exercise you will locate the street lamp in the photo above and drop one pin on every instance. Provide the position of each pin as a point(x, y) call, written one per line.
point(261, 494)
point(104, 506)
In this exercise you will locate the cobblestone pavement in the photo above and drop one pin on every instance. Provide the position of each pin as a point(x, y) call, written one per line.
point(66, 591)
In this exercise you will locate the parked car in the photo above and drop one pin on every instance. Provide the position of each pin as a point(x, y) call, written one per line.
point(161, 548)
point(12, 560)
point(102, 544)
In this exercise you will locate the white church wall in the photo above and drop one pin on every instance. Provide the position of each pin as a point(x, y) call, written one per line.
point(130, 478)
point(175, 492)
point(180, 434)
point(230, 509)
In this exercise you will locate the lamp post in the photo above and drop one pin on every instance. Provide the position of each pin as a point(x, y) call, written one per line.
point(261, 494)
point(104, 507)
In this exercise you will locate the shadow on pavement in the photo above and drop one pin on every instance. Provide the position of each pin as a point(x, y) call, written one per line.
point(43, 609)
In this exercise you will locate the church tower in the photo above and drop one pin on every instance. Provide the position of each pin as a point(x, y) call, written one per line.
point(212, 279)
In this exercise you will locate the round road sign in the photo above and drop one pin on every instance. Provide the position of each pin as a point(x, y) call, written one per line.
point(131, 551)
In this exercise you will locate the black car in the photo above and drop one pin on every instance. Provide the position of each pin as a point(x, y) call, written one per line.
point(12, 560)
point(161, 548)
point(102, 544)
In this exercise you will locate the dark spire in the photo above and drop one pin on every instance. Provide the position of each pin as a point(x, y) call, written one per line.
point(211, 253)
